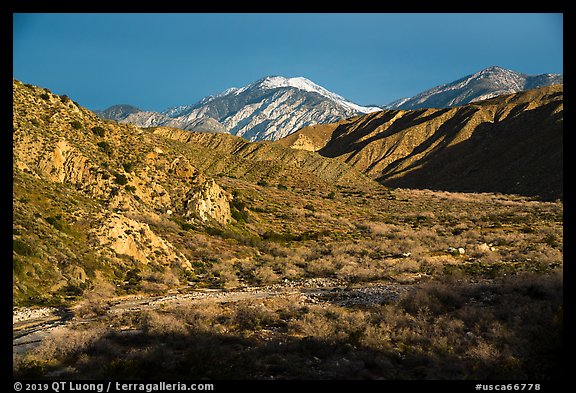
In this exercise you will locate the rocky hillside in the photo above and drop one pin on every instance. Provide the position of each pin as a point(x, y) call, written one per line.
point(508, 144)
point(265, 162)
point(89, 197)
point(267, 109)
point(484, 84)
point(96, 200)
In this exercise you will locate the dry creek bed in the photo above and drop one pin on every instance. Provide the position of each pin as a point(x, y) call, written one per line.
point(30, 326)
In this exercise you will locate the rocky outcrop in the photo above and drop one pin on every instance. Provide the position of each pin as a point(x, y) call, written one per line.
point(135, 239)
point(208, 201)
point(97, 198)
point(303, 142)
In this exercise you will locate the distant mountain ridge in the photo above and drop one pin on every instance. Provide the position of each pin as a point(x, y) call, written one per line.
point(275, 106)
point(487, 83)
point(118, 112)
point(268, 109)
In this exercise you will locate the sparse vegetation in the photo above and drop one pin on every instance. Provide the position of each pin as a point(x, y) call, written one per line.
point(442, 331)
point(485, 268)
point(128, 166)
point(76, 124)
point(120, 178)
point(105, 147)
point(99, 131)
point(22, 248)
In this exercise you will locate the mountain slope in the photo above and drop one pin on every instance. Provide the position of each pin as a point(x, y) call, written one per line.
point(118, 112)
point(484, 84)
point(98, 202)
point(508, 144)
point(267, 109)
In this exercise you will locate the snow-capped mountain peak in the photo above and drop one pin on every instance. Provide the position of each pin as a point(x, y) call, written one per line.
point(301, 83)
point(270, 108)
point(487, 83)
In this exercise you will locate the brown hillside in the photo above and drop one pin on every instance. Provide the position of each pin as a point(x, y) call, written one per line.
point(508, 144)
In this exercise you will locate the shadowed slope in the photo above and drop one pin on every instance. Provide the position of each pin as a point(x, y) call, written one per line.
point(509, 144)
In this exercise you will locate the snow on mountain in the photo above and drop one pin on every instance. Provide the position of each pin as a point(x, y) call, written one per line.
point(268, 109)
point(274, 82)
point(487, 83)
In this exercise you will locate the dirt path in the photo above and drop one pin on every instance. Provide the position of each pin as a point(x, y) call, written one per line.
point(31, 326)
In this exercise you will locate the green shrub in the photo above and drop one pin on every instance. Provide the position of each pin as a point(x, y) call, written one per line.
point(22, 248)
point(64, 98)
point(130, 188)
point(282, 187)
point(98, 131)
point(55, 222)
point(105, 147)
point(35, 122)
point(187, 226)
point(262, 183)
point(128, 166)
point(552, 240)
point(119, 178)
point(76, 124)
point(45, 96)
point(240, 215)
point(309, 207)
point(132, 280)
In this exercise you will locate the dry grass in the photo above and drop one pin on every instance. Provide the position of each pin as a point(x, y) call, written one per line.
point(507, 329)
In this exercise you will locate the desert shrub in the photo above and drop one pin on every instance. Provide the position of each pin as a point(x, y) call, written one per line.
point(238, 208)
point(22, 248)
point(552, 240)
point(130, 188)
point(187, 226)
point(240, 215)
point(95, 300)
point(132, 280)
point(266, 275)
point(226, 276)
point(282, 186)
point(98, 131)
point(321, 267)
point(203, 318)
point(35, 122)
point(253, 317)
point(128, 166)
point(314, 324)
point(104, 147)
point(65, 342)
point(64, 98)
point(155, 323)
point(262, 183)
point(56, 222)
point(76, 124)
point(73, 291)
point(120, 179)
point(435, 297)
point(45, 96)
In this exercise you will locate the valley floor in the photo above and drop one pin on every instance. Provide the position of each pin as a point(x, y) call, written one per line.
point(505, 328)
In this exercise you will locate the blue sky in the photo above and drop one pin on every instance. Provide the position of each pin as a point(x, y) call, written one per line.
point(156, 61)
